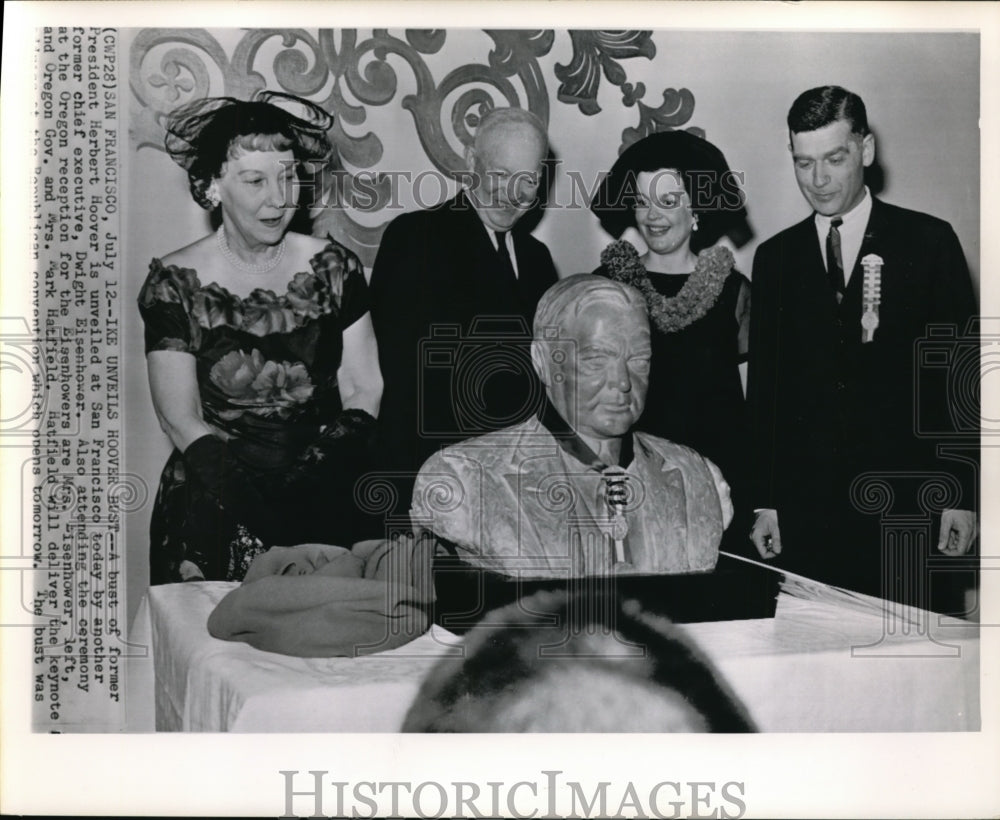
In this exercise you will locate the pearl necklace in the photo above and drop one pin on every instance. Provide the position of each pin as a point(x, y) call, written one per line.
point(266, 266)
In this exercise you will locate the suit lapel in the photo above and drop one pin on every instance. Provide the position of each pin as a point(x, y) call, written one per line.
point(478, 281)
point(877, 239)
point(811, 282)
point(812, 256)
point(872, 241)
point(472, 235)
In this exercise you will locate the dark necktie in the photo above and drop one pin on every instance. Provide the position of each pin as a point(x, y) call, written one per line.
point(834, 259)
point(504, 255)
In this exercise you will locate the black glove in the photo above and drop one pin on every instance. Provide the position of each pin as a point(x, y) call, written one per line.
point(223, 481)
point(339, 453)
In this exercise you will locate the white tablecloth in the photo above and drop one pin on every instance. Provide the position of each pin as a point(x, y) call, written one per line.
point(795, 672)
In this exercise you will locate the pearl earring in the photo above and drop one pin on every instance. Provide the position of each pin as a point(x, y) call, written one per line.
point(694, 219)
point(212, 195)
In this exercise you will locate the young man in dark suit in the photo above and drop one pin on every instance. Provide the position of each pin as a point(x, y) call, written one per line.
point(454, 290)
point(840, 305)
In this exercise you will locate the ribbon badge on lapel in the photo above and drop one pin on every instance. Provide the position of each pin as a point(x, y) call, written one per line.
point(871, 295)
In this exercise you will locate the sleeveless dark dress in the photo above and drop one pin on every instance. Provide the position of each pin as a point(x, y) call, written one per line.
point(695, 394)
point(267, 378)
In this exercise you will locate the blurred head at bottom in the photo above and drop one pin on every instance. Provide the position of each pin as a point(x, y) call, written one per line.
point(558, 662)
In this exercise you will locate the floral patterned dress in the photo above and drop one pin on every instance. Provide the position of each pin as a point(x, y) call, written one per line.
point(267, 375)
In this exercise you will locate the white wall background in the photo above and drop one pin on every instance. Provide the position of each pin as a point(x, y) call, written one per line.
point(922, 93)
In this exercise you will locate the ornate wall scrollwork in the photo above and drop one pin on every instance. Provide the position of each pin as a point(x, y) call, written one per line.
point(597, 51)
point(179, 74)
point(676, 109)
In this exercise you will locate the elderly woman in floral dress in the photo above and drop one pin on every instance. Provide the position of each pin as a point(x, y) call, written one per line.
point(677, 191)
point(262, 362)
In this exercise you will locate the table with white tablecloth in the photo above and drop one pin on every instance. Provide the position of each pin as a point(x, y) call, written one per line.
point(802, 670)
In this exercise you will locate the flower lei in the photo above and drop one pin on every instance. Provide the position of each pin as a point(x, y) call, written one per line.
point(622, 263)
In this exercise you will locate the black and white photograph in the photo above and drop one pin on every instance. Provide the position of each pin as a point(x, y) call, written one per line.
point(392, 383)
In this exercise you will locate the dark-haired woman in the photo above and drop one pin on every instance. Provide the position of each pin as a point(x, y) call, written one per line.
point(677, 191)
point(262, 362)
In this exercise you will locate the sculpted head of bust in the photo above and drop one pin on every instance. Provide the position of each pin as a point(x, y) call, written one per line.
point(591, 350)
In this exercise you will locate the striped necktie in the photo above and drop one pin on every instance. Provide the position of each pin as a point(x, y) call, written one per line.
point(834, 259)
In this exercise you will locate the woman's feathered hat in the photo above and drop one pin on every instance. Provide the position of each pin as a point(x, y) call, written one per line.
point(200, 133)
point(715, 191)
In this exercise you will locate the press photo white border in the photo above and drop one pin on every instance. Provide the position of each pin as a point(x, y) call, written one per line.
point(916, 775)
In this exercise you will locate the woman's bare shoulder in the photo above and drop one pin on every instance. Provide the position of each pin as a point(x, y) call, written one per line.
point(195, 256)
point(302, 249)
point(300, 243)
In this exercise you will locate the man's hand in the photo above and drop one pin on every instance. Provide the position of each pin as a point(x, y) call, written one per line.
point(958, 528)
point(765, 534)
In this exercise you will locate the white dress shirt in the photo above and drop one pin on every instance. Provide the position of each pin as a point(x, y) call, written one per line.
point(509, 240)
point(852, 232)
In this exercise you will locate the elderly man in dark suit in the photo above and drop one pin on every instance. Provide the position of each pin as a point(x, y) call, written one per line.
point(840, 303)
point(454, 289)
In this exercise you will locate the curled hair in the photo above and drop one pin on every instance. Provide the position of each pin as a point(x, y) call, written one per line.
point(203, 135)
point(819, 107)
point(715, 192)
